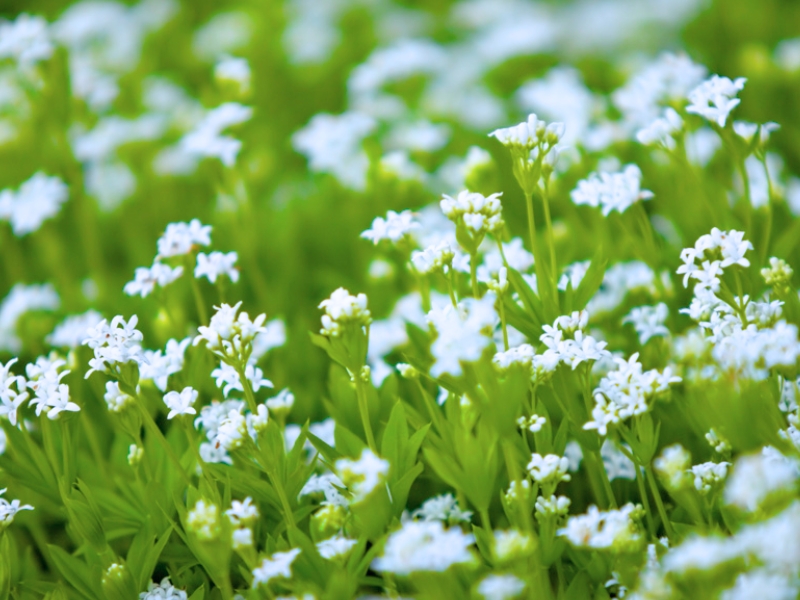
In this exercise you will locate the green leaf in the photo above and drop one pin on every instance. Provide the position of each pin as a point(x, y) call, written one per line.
point(591, 281)
point(75, 572)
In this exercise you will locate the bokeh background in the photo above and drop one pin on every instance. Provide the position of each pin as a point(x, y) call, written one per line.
point(297, 232)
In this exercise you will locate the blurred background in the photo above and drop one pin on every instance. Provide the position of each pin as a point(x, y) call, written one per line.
point(431, 78)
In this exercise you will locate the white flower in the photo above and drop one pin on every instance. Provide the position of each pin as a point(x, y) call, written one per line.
point(242, 513)
point(424, 546)
point(181, 403)
point(206, 140)
point(230, 333)
point(715, 98)
point(332, 144)
point(12, 392)
point(554, 506)
point(235, 70)
point(9, 509)
point(146, 279)
point(162, 591)
point(343, 308)
point(114, 344)
point(648, 321)
point(602, 529)
point(227, 378)
point(762, 584)
point(479, 213)
point(26, 40)
point(433, 257)
point(393, 228)
point(335, 547)
point(159, 366)
point(611, 191)
point(548, 470)
point(203, 520)
point(232, 431)
point(528, 134)
point(181, 238)
point(116, 399)
point(442, 508)
point(71, 332)
point(758, 476)
point(500, 587)
point(708, 476)
point(215, 265)
point(36, 200)
point(662, 131)
point(282, 403)
point(463, 333)
point(277, 565)
point(362, 476)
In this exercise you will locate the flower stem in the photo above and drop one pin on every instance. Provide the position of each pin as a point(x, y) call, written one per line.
point(531, 222)
point(363, 408)
point(550, 237)
point(202, 313)
point(651, 478)
point(159, 435)
point(248, 390)
point(473, 274)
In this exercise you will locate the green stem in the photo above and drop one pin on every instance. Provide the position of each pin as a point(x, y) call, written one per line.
point(651, 479)
point(503, 322)
point(531, 222)
point(287, 509)
point(248, 390)
point(363, 408)
point(485, 521)
point(605, 480)
point(159, 435)
point(550, 238)
point(451, 285)
point(651, 526)
point(473, 274)
point(514, 474)
point(202, 313)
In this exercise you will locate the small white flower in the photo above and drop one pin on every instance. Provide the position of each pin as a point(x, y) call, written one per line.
point(362, 476)
point(181, 403)
point(162, 591)
point(277, 565)
point(206, 140)
point(715, 98)
point(146, 279)
point(548, 470)
point(282, 403)
point(9, 509)
point(26, 40)
point(242, 513)
point(115, 398)
point(648, 321)
point(393, 228)
point(500, 587)
point(181, 238)
point(215, 265)
point(36, 200)
point(611, 191)
point(342, 308)
point(203, 520)
point(335, 547)
point(424, 546)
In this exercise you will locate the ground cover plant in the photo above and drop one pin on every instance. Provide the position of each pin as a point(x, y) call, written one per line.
point(381, 299)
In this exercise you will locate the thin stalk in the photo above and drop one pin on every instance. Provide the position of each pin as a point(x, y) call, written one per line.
point(485, 521)
point(248, 390)
point(159, 435)
point(605, 480)
point(450, 287)
point(531, 222)
point(651, 479)
point(202, 313)
point(361, 394)
point(452, 279)
point(551, 242)
point(503, 323)
point(473, 274)
point(651, 526)
point(515, 475)
point(287, 509)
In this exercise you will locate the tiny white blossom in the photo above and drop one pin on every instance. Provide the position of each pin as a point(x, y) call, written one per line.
point(146, 279)
point(181, 403)
point(500, 587)
point(162, 591)
point(277, 565)
point(181, 238)
point(715, 98)
point(611, 191)
point(362, 476)
point(215, 265)
point(37, 199)
point(393, 228)
point(424, 546)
